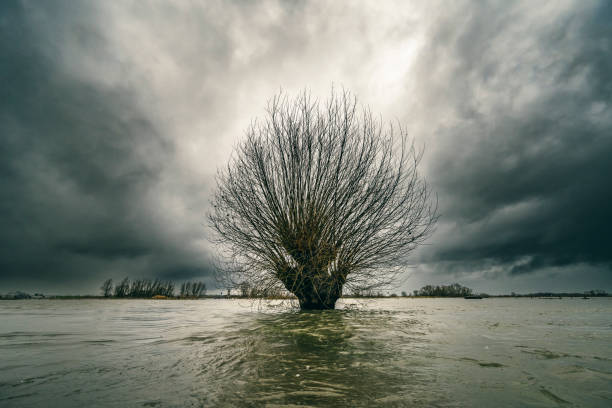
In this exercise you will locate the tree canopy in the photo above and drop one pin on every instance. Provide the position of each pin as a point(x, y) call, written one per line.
point(320, 196)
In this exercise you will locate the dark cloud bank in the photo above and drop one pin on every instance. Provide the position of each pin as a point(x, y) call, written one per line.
point(523, 172)
point(113, 119)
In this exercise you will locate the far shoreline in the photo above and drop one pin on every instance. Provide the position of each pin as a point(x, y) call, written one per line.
point(236, 297)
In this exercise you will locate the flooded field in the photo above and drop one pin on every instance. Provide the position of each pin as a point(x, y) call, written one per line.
point(385, 352)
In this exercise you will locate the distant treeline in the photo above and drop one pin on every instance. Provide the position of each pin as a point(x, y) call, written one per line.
point(591, 293)
point(454, 290)
point(147, 288)
point(364, 292)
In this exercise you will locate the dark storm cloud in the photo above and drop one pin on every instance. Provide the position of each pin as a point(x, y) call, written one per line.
point(115, 115)
point(80, 163)
point(523, 169)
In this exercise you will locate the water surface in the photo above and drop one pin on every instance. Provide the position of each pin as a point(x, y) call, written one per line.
point(386, 352)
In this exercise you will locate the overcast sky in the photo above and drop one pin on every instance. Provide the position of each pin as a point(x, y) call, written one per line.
point(114, 116)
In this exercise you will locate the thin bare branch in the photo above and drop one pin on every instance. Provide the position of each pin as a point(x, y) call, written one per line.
point(319, 197)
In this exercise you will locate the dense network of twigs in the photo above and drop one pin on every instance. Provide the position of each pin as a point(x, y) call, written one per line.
point(318, 197)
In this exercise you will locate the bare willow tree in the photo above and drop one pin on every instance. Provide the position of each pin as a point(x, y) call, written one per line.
point(318, 197)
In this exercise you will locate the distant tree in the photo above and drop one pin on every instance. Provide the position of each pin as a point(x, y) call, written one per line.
point(193, 289)
point(122, 289)
point(198, 289)
point(183, 290)
point(138, 288)
point(144, 288)
point(404, 294)
point(319, 197)
point(107, 288)
point(454, 290)
point(169, 289)
point(245, 289)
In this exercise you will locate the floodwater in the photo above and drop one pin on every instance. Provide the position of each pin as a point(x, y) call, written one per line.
point(386, 352)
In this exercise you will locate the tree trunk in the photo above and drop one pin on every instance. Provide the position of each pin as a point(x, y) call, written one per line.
point(318, 292)
point(314, 290)
point(312, 301)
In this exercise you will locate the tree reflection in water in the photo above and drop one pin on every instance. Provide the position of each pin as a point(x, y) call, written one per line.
point(326, 358)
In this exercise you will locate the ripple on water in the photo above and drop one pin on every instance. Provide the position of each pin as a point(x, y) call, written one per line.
point(401, 352)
